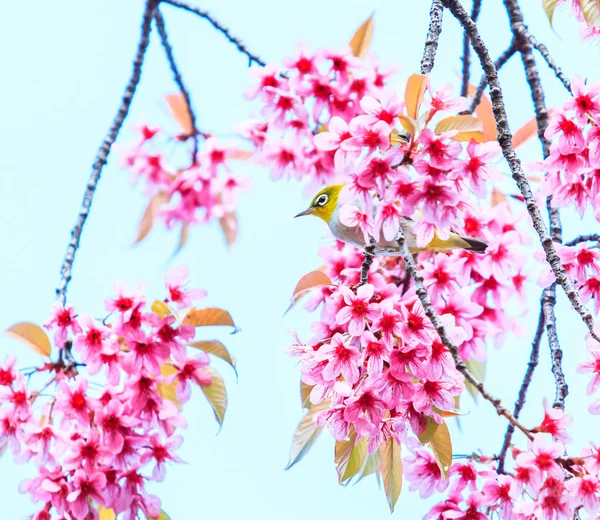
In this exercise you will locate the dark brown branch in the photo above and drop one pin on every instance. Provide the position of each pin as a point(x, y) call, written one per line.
point(433, 35)
point(583, 238)
point(104, 151)
point(543, 50)
point(413, 271)
point(499, 63)
point(520, 402)
point(466, 62)
point(252, 58)
point(367, 262)
point(164, 39)
point(548, 302)
point(505, 141)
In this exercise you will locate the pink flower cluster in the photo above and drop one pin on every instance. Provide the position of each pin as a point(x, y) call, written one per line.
point(200, 192)
point(315, 87)
point(587, 31)
point(573, 167)
point(102, 444)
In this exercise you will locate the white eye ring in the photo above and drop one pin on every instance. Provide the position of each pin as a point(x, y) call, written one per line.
point(322, 200)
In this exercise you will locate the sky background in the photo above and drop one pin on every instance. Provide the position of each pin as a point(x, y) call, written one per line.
point(64, 65)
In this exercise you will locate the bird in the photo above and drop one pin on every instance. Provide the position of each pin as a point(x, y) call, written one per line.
point(326, 205)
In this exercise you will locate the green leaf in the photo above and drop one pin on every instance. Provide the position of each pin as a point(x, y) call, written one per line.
point(356, 460)
point(168, 390)
point(306, 434)
point(429, 432)
point(216, 394)
point(32, 335)
point(342, 453)
point(370, 466)
point(391, 470)
point(477, 368)
point(162, 516)
point(441, 446)
point(216, 348)
point(160, 308)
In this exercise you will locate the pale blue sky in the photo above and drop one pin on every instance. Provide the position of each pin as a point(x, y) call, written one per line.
point(64, 65)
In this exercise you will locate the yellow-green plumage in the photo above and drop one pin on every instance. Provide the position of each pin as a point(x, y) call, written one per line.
point(326, 204)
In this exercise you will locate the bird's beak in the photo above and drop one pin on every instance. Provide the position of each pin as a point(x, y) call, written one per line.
point(305, 212)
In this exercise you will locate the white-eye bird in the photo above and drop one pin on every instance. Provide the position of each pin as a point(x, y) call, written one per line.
point(326, 205)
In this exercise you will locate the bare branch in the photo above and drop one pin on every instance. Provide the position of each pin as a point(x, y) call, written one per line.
point(104, 151)
point(413, 271)
point(584, 238)
point(367, 262)
point(467, 52)
point(548, 302)
point(433, 36)
point(505, 140)
point(252, 58)
point(520, 402)
point(499, 63)
point(164, 39)
point(543, 50)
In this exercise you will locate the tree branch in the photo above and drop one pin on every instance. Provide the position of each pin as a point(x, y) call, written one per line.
point(583, 238)
point(520, 402)
point(369, 252)
point(433, 35)
point(413, 270)
point(499, 63)
point(162, 31)
point(104, 151)
point(467, 52)
point(543, 50)
point(548, 302)
point(222, 29)
point(504, 139)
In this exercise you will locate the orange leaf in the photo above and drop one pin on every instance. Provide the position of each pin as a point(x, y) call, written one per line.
point(32, 335)
point(209, 317)
point(498, 197)
point(168, 390)
point(229, 225)
point(240, 155)
point(468, 127)
point(549, 6)
point(362, 38)
point(591, 12)
point(414, 93)
point(183, 236)
point(181, 113)
point(307, 282)
point(527, 132)
point(485, 114)
point(407, 123)
point(160, 308)
point(149, 215)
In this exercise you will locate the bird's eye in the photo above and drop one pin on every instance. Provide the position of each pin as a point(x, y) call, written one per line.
point(322, 200)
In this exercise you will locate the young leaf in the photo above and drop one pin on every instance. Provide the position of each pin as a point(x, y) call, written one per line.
point(106, 514)
point(468, 128)
point(149, 216)
point(343, 450)
point(229, 225)
point(441, 446)
point(216, 395)
point(429, 431)
point(305, 391)
point(525, 133)
point(162, 516)
point(414, 93)
point(160, 308)
point(407, 123)
point(181, 113)
point(498, 197)
point(591, 12)
point(361, 40)
point(216, 348)
point(372, 463)
point(356, 459)
point(168, 390)
point(307, 282)
point(549, 6)
point(32, 335)
point(477, 368)
point(485, 114)
point(183, 236)
point(391, 470)
point(306, 434)
point(209, 317)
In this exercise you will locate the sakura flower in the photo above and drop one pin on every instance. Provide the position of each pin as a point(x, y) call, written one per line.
point(341, 359)
point(544, 453)
point(63, 319)
point(423, 473)
point(83, 487)
point(357, 309)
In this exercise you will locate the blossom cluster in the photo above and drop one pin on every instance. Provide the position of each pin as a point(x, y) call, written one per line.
point(101, 444)
point(588, 30)
point(199, 192)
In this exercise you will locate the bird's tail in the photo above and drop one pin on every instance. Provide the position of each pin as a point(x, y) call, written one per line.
point(475, 245)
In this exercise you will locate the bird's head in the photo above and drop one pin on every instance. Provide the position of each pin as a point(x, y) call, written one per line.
point(324, 203)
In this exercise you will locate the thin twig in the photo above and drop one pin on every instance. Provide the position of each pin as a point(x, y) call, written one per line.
point(252, 58)
point(433, 35)
point(543, 50)
point(562, 390)
point(505, 141)
point(367, 262)
point(162, 31)
point(413, 270)
point(583, 238)
point(520, 402)
point(467, 52)
point(104, 151)
point(499, 63)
